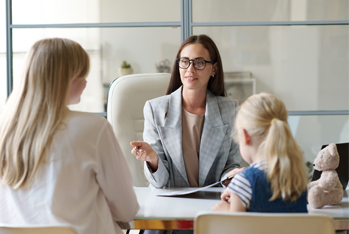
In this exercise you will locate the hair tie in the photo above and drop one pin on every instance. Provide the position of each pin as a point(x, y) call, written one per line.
point(273, 120)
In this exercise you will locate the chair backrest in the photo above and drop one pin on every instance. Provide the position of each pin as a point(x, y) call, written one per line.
point(37, 229)
point(126, 98)
point(262, 223)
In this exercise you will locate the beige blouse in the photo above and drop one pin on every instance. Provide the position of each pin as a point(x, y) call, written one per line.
point(192, 126)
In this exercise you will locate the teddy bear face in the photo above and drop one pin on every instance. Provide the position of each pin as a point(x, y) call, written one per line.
point(327, 158)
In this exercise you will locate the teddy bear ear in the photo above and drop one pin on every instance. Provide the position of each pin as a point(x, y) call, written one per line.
point(333, 149)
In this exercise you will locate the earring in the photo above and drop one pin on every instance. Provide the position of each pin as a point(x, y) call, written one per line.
point(212, 76)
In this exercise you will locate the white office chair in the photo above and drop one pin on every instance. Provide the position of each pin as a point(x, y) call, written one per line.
point(126, 98)
point(37, 229)
point(262, 223)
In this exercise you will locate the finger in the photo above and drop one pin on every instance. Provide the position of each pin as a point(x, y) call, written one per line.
point(139, 157)
point(134, 151)
point(144, 155)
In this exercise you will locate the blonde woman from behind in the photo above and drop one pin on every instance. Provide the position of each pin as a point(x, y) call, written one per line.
point(59, 166)
point(276, 179)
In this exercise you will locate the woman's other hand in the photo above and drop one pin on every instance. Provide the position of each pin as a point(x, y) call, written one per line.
point(230, 176)
point(144, 152)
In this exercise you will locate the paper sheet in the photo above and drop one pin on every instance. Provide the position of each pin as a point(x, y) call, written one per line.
point(185, 191)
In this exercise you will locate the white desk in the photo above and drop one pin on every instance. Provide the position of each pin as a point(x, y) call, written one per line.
point(339, 213)
point(179, 212)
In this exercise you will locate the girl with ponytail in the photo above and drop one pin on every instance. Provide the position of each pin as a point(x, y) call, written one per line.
point(276, 179)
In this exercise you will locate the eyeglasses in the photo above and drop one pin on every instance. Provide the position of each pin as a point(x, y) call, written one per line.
point(198, 63)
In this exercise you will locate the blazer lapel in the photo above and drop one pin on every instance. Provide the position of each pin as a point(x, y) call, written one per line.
point(212, 136)
point(172, 132)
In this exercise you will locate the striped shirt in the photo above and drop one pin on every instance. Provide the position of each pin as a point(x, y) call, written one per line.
point(242, 187)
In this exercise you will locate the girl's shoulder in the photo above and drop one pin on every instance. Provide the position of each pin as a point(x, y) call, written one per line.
point(79, 119)
point(256, 168)
point(261, 165)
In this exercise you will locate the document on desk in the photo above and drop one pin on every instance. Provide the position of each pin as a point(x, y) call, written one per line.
point(185, 191)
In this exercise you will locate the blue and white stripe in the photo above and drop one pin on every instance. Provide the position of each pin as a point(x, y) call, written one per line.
point(242, 187)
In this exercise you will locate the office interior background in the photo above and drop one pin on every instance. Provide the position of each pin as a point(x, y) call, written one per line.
point(294, 49)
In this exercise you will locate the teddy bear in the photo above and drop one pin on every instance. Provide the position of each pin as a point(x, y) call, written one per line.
point(327, 190)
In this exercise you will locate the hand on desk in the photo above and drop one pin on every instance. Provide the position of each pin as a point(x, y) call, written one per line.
point(222, 206)
point(225, 196)
point(144, 152)
point(230, 202)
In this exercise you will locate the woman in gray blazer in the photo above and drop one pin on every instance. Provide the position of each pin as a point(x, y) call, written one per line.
point(187, 133)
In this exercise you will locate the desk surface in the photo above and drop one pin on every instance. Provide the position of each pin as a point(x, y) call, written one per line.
point(178, 212)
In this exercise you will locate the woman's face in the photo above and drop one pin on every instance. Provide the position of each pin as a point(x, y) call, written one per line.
point(191, 78)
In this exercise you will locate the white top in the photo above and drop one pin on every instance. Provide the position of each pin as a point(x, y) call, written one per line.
point(85, 182)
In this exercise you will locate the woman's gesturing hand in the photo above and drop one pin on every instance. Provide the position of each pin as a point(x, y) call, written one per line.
point(144, 152)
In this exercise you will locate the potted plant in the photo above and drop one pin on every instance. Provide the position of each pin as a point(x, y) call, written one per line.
point(125, 69)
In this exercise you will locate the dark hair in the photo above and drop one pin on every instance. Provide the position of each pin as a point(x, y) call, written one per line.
point(215, 84)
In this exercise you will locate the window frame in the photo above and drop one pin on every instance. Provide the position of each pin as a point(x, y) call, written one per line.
point(186, 25)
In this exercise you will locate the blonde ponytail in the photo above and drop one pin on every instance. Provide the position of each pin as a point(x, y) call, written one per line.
point(286, 168)
point(265, 116)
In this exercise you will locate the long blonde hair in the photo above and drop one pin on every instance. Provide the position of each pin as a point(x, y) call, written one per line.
point(265, 116)
point(37, 106)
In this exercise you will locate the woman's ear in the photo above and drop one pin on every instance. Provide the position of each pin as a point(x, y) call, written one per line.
point(214, 70)
point(247, 138)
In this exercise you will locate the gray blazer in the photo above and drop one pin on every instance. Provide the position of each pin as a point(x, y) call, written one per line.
point(163, 131)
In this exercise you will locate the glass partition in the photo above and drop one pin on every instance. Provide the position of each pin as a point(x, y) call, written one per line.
point(305, 66)
point(108, 48)
point(269, 10)
point(94, 11)
point(311, 132)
